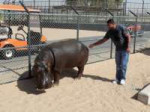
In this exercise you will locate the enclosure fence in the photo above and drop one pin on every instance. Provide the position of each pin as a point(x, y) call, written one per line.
point(24, 35)
point(87, 7)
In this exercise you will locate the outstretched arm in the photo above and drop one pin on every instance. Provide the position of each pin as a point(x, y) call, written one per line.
point(98, 42)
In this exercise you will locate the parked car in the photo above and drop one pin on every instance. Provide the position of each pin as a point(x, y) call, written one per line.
point(135, 29)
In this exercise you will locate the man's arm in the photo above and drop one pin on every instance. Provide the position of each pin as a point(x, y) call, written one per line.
point(128, 41)
point(128, 37)
point(98, 42)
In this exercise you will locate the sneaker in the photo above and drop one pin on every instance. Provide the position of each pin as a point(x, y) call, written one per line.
point(122, 82)
point(115, 81)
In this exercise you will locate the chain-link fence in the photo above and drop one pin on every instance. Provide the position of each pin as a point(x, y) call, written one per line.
point(87, 7)
point(23, 35)
point(13, 46)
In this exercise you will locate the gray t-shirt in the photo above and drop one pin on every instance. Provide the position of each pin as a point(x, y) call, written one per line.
point(118, 36)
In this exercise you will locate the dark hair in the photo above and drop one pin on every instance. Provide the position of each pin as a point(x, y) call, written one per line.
point(110, 21)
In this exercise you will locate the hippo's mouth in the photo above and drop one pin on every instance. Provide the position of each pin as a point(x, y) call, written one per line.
point(44, 87)
point(40, 90)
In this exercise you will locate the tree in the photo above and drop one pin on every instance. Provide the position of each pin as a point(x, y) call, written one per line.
point(98, 3)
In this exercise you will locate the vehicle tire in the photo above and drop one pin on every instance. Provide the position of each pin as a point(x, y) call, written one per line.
point(8, 53)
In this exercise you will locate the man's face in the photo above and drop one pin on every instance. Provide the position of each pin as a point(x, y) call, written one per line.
point(111, 26)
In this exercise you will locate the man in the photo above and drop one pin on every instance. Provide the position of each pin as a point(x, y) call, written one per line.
point(121, 39)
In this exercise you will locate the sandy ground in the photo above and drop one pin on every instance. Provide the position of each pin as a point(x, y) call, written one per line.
point(57, 34)
point(94, 92)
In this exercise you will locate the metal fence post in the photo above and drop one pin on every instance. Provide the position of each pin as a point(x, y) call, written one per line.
point(49, 6)
point(29, 47)
point(135, 32)
point(34, 3)
point(111, 48)
point(78, 24)
point(28, 39)
point(142, 9)
point(78, 27)
point(40, 19)
point(134, 50)
point(9, 18)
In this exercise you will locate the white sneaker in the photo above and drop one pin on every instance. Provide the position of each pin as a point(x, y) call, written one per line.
point(122, 82)
point(115, 81)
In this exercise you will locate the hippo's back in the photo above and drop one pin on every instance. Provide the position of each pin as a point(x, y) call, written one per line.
point(69, 53)
point(65, 43)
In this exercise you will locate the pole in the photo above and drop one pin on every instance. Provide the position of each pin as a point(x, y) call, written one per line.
point(135, 32)
point(40, 21)
point(111, 50)
point(28, 39)
point(29, 47)
point(49, 6)
point(143, 9)
point(106, 6)
point(78, 27)
point(9, 18)
point(125, 10)
point(78, 24)
point(34, 3)
point(111, 47)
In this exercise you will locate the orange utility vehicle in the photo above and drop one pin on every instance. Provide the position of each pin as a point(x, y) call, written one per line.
point(10, 44)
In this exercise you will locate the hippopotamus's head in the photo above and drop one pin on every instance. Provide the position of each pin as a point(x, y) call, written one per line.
point(42, 75)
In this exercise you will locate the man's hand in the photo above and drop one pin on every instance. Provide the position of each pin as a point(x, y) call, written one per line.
point(128, 50)
point(98, 42)
point(91, 45)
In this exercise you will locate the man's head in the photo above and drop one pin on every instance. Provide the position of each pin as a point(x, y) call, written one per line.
point(111, 24)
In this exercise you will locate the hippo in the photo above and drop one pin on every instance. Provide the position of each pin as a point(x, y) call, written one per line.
point(55, 57)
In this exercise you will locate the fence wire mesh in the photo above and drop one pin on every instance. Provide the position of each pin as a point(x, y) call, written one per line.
point(88, 7)
point(19, 35)
point(13, 46)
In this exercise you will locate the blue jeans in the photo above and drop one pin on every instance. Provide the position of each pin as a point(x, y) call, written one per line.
point(122, 58)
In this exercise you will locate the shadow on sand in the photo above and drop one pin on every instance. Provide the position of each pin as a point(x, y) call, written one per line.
point(135, 97)
point(97, 78)
point(28, 85)
point(145, 51)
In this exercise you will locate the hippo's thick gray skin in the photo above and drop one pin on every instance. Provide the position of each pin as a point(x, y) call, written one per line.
point(58, 56)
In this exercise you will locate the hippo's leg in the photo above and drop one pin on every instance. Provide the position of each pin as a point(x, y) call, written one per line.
point(80, 72)
point(56, 77)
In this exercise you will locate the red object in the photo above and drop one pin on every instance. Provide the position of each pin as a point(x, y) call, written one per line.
point(134, 28)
